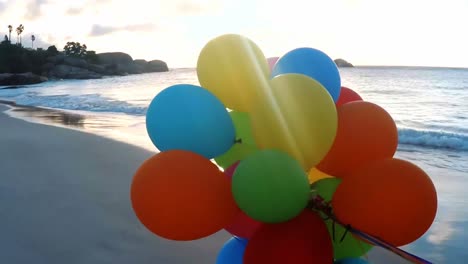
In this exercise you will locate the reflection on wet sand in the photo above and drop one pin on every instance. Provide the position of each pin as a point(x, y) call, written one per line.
point(51, 116)
point(126, 128)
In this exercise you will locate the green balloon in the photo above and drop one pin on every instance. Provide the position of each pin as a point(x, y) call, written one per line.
point(245, 143)
point(350, 247)
point(270, 186)
point(326, 188)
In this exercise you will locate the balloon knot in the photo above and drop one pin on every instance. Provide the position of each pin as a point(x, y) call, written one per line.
point(238, 141)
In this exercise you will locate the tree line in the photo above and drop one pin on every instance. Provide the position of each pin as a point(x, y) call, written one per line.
point(14, 58)
point(19, 31)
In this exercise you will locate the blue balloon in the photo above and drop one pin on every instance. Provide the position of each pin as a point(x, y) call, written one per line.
point(232, 251)
point(188, 117)
point(313, 63)
point(352, 261)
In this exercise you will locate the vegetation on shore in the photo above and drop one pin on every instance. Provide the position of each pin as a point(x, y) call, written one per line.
point(15, 58)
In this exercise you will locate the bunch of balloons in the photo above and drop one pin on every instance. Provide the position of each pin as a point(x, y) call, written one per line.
point(247, 150)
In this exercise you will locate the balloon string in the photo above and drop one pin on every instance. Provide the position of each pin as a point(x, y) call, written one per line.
point(333, 230)
point(383, 244)
point(317, 203)
point(363, 250)
point(345, 233)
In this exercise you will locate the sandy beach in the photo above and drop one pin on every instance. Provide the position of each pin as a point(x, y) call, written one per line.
point(65, 199)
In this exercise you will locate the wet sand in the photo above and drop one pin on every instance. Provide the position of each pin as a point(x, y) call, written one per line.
point(65, 199)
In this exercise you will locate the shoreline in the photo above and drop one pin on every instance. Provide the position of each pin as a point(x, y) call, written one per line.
point(99, 124)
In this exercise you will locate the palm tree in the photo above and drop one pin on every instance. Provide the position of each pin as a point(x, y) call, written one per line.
point(10, 28)
point(19, 30)
point(33, 38)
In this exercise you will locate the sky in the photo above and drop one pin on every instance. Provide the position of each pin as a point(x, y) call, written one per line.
point(364, 32)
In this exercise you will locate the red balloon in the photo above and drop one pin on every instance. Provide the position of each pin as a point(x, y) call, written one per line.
point(230, 171)
point(242, 225)
point(347, 95)
point(304, 239)
point(392, 199)
point(366, 133)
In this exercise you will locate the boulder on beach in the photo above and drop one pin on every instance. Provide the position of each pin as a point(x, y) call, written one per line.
point(114, 58)
point(119, 63)
point(157, 66)
point(63, 71)
point(76, 62)
point(20, 78)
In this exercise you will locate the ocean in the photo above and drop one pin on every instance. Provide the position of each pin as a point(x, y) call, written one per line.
point(429, 106)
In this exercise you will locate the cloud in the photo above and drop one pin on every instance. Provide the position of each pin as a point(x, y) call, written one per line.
point(4, 6)
point(33, 9)
point(99, 30)
point(190, 7)
point(74, 11)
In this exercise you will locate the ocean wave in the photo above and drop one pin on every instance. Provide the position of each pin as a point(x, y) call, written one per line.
point(87, 102)
point(433, 139)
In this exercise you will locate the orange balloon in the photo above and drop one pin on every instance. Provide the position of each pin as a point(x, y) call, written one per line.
point(366, 133)
point(181, 195)
point(391, 199)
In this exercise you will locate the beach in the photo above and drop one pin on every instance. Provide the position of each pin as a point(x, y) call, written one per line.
point(65, 199)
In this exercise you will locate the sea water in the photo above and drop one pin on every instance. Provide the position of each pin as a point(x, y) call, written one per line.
point(429, 106)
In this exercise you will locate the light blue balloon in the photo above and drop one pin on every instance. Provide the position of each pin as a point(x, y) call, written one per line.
point(352, 261)
point(188, 117)
point(232, 251)
point(313, 63)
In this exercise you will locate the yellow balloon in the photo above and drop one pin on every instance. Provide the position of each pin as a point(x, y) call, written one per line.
point(233, 68)
point(315, 175)
point(298, 116)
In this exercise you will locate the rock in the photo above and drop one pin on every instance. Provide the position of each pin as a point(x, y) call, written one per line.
point(76, 62)
point(114, 58)
point(113, 69)
point(342, 63)
point(57, 59)
point(130, 68)
point(63, 71)
point(101, 69)
point(141, 63)
point(157, 66)
point(46, 67)
point(20, 78)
